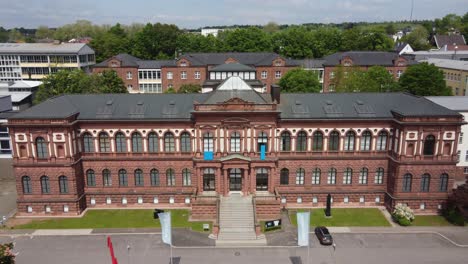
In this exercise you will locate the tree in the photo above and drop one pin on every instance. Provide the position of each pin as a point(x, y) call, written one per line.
point(369, 39)
point(111, 43)
point(3, 35)
point(15, 36)
point(79, 29)
point(380, 80)
point(188, 42)
point(390, 29)
point(271, 27)
point(300, 81)
point(326, 41)
point(43, 32)
point(170, 90)
point(294, 42)
point(156, 41)
point(424, 79)
point(190, 88)
point(6, 254)
point(78, 82)
point(251, 39)
point(418, 38)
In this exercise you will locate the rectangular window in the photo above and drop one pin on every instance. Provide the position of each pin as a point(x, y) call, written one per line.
point(466, 156)
point(278, 74)
point(170, 75)
point(331, 177)
point(264, 74)
point(332, 75)
point(460, 140)
point(465, 170)
point(316, 177)
point(399, 73)
point(197, 75)
point(183, 75)
point(129, 75)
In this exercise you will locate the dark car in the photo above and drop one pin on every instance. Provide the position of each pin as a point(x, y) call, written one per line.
point(323, 235)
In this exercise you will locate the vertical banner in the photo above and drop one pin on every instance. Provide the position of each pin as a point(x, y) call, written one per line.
point(111, 250)
point(165, 219)
point(262, 151)
point(303, 225)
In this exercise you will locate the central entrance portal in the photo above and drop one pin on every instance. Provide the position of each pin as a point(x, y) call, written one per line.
point(235, 180)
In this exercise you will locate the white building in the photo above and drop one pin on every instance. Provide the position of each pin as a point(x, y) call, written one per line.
point(210, 31)
point(459, 104)
point(34, 61)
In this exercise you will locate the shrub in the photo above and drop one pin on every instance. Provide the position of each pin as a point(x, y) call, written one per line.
point(454, 216)
point(403, 215)
point(6, 255)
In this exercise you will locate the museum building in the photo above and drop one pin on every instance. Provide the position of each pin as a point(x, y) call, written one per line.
point(74, 152)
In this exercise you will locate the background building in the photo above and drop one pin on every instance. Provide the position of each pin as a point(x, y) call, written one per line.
point(34, 61)
point(128, 150)
point(455, 74)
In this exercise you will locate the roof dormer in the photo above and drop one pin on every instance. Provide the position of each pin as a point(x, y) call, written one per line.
point(183, 63)
point(346, 61)
point(114, 63)
point(231, 60)
point(279, 62)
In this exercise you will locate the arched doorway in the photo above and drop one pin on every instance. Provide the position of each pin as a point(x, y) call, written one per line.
point(235, 180)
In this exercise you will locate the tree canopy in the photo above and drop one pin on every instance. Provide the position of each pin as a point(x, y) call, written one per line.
point(300, 81)
point(78, 82)
point(190, 88)
point(424, 79)
point(354, 79)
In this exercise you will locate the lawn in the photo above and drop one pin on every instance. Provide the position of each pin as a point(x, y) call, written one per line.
point(430, 220)
point(115, 219)
point(345, 217)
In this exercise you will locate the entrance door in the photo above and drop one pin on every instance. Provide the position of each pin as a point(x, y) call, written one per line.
point(235, 180)
point(262, 179)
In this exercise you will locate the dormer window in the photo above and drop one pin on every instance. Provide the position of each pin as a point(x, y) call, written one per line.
point(183, 64)
point(278, 63)
point(114, 64)
point(347, 63)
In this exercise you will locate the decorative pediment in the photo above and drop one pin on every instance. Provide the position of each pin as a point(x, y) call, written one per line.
point(278, 62)
point(207, 127)
point(234, 158)
point(236, 100)
point(231, 60)
point(262, 127)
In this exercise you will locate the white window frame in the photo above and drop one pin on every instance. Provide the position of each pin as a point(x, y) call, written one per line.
point(264, 75)
point(277, 74)
point(129, 75)
point(183, 75)
point(197, 75)
point(169, 75)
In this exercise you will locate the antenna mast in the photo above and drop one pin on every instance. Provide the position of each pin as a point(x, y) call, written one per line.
point(412, 5)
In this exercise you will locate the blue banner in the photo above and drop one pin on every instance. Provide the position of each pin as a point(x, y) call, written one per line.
point(262, 152)
point(165, 219)
point(303, 226)
point(208, 155)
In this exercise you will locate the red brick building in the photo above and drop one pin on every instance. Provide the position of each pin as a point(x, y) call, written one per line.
point(395, 64)
point(183, 150)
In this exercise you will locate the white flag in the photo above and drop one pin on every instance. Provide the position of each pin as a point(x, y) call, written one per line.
point(303, 224)
point(165, 219)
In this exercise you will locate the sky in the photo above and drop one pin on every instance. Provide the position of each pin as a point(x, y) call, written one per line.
point(193, 14)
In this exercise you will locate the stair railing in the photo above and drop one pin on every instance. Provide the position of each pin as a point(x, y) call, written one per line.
point(256, 224)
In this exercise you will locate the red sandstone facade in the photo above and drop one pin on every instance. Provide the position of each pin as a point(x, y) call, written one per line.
point(186, 179)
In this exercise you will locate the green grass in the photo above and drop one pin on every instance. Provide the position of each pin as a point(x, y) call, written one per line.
point(115, 219)
point(345, 217)
point(430, 220)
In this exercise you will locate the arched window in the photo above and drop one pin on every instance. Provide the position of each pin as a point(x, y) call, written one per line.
point(104, 142)
point(63, 184)
point(120, 142)
point(169, 142)
point(363, 176)
point(208, 142)
point(88, 143)
point(262, 139)
point(137, 144)
point(186, 177)
point(45, 185)
point(284, 176)
point(317, 141)
point(153, 142)
point(316, 173)
point(301, 141)
point(209, 179)
point(334, 141)
point(300, 174)
point(331, 176)
point(106, 177)
point(349, 141)
point(425, 181)
point(235, 142)
point(170, 176)
point(90, 178)
point(41, 148)
point(285, 141)
point(379, 174)
point(429, 145)
point(185, 142)
point(123, 178)
point(366, 139)
point(347, 176)
point(26, 181)
point(407, 179)
point(382, 141)
point(139, 177)
point(154, 177)
point(443, 184)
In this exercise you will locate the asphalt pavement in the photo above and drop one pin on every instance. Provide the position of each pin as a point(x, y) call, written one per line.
point(7, 188)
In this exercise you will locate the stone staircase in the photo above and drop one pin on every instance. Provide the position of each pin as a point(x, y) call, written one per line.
point(236, 222)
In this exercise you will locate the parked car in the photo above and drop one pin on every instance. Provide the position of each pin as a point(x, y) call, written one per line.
point(323, 235)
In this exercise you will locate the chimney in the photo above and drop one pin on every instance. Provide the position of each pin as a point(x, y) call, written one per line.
point(275, 93)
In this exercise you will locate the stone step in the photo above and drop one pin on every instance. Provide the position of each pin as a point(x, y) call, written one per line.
point(240, 243)
point(237, 236)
